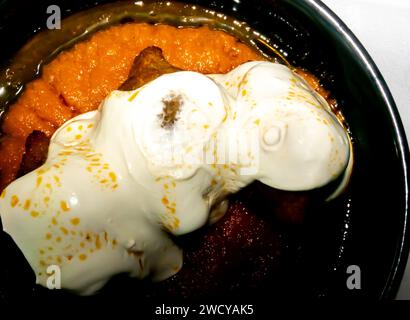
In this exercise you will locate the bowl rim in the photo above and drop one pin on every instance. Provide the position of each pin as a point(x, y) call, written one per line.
point(399, 135)
point(398, 265)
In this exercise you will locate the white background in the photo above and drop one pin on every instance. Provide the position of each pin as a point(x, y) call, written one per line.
point(383, 27)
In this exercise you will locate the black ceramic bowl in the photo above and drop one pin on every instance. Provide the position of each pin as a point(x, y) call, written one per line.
point(367, 226)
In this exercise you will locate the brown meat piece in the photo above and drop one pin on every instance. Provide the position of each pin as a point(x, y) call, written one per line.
point(147, 66)
point(13, 149)
point(286, 206)
point(35, 153)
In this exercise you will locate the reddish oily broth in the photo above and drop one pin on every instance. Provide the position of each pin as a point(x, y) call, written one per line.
point(77, 80)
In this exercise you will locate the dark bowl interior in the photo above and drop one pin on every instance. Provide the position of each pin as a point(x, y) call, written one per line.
point(366, 226)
